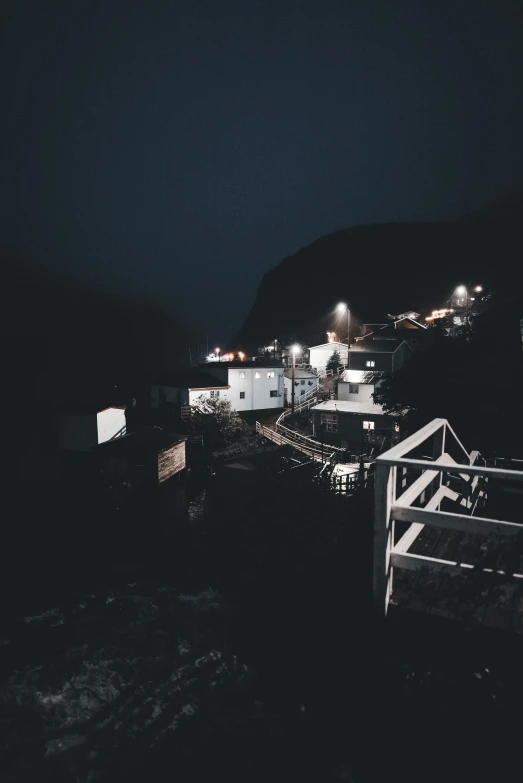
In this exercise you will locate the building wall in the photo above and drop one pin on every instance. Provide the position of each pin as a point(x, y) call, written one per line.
point(365, 392)
point(109, 422)
point(76, 431)
point(359, 359)
point(166, 394)
point(350, 426)
point(256, 390)
point(301, 388)
point(402, 355)
point(171, 461)
point(320, 355)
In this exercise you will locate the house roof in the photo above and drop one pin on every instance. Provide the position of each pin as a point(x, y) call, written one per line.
point(333, 346)
point(263, 363)
point(299, 373)
point(89, 406)
point(360, 376)
point(342, 406)
point(154, 439)
point(377, 346)
point(192, 380)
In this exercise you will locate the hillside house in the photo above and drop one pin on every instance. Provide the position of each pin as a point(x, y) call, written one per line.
point(187, 388)
point(141, 460)
point(319, 355)
point(387, 354)
point(305, 381)
point(416, 335)
point(358, 385)
point(251, 386)
point(353, 425)
point(81, 425)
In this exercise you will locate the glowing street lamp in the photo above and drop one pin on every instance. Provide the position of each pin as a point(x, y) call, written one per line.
point(341, 309)
point(217, 352)
point(242, 356)
point(478, 289)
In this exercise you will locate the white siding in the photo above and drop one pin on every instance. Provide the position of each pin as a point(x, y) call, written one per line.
point(366, 390)
point(257, 391)
point(320, 355)
point(109, 422)
point(300, 389)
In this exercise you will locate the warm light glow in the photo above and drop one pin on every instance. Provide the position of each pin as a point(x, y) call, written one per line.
point(429, 318)
point(295, 349)
point(216, 350)
point(341, 307)
point(242, 356)
point(478, 289)
point(461, 290)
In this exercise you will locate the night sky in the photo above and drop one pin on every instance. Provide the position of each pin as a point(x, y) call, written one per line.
point(180, 150)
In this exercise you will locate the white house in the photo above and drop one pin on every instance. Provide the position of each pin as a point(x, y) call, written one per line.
point(320, 355)
point(251, 385)
point(357, 385)
point(187, 388)
point(80, 426)
point(305, 381)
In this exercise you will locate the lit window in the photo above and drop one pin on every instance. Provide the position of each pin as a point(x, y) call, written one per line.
point(368, 425)
point(270, 374)
point(329, 422)
point(354, 388)
point(242, 395)
point(242, 374)
point(274, 393)
point(370, 363)
point(257, 374)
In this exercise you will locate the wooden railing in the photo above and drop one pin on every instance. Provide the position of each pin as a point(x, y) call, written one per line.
point(411, 490)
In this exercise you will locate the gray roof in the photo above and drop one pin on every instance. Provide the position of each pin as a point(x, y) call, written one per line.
point(377, 346)
point(360, 376)
point(341, 406)
point(298, 373)
point(192, 380)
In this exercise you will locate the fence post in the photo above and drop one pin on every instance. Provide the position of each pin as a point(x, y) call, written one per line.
point(384, 492)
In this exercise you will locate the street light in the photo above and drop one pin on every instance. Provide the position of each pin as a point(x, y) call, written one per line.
point(217, 352)
point(341, 309)
point(478, 289)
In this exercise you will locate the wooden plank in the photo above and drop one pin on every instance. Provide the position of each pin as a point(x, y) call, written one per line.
point(419, 562)
point(466, 470)
point(460, 522)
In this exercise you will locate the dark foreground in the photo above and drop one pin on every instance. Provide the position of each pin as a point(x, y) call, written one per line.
point(234, 642)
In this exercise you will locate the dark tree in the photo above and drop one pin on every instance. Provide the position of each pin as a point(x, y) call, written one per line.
point(334, 361)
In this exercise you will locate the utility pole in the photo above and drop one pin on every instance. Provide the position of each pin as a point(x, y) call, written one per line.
point(293, 372)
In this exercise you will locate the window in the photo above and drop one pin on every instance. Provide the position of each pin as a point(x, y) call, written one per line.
point(329, 422)
point(242, 395)
point(354, 388)
point(302, 383)
point(302, 391)
point(257, 374)
point(368, 425)
point(370, 363)
point(162, 397)
point(242, 373)
point(215, 393)
point(270, 374)
point(274, 393)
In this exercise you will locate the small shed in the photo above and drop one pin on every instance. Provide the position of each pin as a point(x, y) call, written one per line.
point(141, 460)
point(81, 425)
point(353, 424)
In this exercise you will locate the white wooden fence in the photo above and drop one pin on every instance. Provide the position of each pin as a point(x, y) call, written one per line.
point(398, 498)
